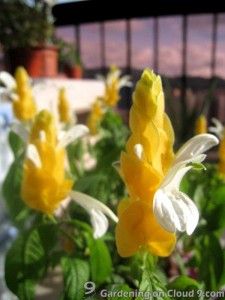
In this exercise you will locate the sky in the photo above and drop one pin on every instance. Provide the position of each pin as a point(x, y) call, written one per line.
point(170, 44)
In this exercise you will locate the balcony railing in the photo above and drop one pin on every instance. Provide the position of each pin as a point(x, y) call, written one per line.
point(77, 14)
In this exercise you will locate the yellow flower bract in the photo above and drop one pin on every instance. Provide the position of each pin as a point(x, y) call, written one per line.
point(44, 122)
point(95, 117)
point(112, 90)
point(222, 156)
point(63, 107)
point(45, 186)
point(201, 125)
point(150, 127)
point(24, 107)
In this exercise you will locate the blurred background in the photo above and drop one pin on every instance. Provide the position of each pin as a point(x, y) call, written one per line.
point(75, 40)
point(183, 43)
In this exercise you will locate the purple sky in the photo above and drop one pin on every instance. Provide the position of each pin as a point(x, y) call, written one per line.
point(170, 44)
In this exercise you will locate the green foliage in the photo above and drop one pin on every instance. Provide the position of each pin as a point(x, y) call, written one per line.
point(210, 251)
point(121, 291)
point(16, 144)
point(99, 260)
point(68, 54)
point(15, 207)
point(75, 274)
point(75, 152)
point(184, 110)
point(207, 189)
point(102, 181)
point(186, 285)
point(24, 23)
point(27, 260)
point(151, 287)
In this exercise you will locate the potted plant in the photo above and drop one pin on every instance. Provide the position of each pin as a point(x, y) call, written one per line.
point(26, 30)
point(69, 59)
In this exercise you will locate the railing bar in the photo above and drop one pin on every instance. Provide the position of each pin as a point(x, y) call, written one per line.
point(156, 43)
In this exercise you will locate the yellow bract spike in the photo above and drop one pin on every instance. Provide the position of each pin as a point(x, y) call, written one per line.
point(24, 107)
point(44, 184)
point(44, 123)
point(63, 107)
point(148, 158)
point(201, 125)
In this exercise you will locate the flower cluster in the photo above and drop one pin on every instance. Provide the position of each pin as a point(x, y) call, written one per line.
point(113, 83)
point(44, 165)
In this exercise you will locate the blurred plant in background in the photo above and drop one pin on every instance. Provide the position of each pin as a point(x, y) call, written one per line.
point(69, 60)
point(219, 130)
point(109, 133)
point(200, 125)
point(185, 111)
point(32, 27)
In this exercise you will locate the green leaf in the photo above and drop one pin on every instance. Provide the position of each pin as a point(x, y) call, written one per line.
point(100, 260)
point(222, 278)
point(121, 292)
point(16, 143)
point(75, 274)
point(218, 195)
point(184, 284)
point(211, 262)
point(15, 207)
point(16, 271)
point(215, 218)
point(26, 261)
point(151, 288)
point(198, 166)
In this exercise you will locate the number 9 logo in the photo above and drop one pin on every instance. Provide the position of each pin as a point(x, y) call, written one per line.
point(89, 287)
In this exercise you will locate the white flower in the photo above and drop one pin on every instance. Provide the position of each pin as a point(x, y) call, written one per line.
point(97, 211)
point(9, 85)
point(112, 75)
point(218, 129)
point(64, 137)
point(123, 81)
point(173, 209)
point(75, 132)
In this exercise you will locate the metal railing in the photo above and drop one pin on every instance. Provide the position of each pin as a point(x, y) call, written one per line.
point(77, 14)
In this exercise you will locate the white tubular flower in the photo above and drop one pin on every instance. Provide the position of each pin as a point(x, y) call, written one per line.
point(125, 81)
point(33, 155)
point(218, 129)
point(97, 211)
point(9, 85)
point(64, 137)
point(74, 133)
point(113, 75)
point(122, 81)
point(173, 209)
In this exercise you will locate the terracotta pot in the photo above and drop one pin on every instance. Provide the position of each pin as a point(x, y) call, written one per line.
point(74, 71)
point(38, 61)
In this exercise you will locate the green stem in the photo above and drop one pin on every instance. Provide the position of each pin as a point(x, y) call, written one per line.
point(77, 223)
point(144, 256)
point(147, 260)
point(52, 219)
point(68, 235)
